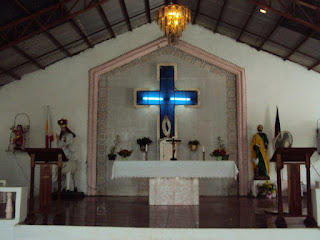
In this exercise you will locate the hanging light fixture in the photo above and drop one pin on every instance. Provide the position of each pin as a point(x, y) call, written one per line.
point(173, 19)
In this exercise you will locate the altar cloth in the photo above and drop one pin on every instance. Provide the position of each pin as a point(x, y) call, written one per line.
point(172, 169)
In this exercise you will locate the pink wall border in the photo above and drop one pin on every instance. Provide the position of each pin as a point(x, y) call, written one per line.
point(95, 72)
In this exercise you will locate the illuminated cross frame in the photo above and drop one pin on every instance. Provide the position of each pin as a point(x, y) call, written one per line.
point(167, 97)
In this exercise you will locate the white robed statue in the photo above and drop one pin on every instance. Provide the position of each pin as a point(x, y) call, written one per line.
point(65, 141)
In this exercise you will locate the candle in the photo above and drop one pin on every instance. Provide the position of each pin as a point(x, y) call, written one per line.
point(203, 149)
point(147, 148)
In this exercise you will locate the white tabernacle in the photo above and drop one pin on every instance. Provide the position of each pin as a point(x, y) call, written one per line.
point(174, 182)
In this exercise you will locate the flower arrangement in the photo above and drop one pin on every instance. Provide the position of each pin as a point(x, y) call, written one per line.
point(193, 142)
point(193, 145)
point(124, 153)
point(268, 189)
point(144, 141)
point(220, 152)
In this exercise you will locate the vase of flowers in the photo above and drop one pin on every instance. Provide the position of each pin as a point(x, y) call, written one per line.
point(143, 142)
point(193, 145)
point(267, 189)
point(220, 153)
point(124, 154)
point(112, 155)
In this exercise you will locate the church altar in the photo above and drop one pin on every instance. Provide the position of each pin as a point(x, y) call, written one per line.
point(174, 182)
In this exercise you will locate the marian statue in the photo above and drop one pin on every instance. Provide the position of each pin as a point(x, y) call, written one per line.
point(259, 155)
point(166, 126)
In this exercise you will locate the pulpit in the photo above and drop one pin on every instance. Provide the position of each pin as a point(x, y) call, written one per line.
point(293, 158)
point(45, 158)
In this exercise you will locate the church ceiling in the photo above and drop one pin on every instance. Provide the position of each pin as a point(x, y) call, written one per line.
point(37, 33)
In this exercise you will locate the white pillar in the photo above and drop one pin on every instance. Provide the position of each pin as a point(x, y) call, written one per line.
point(9, 208)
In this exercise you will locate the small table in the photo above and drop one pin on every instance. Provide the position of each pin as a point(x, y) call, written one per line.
point(45, 157)
point(174, 182)
point(294, 157)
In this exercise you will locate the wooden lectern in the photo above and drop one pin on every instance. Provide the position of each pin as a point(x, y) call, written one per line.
point(45, 157)
point(293, 157)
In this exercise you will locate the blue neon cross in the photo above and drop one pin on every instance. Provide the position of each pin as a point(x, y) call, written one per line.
point(167, 97)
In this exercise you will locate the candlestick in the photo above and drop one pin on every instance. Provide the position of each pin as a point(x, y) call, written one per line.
point(203, 156)
point(203, 150)
point(146, 148)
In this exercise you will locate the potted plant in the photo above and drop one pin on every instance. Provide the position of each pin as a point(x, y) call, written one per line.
point(193, 145)
point(124, 153)
point(220, 153)
point(143, 142)
point(112, 155)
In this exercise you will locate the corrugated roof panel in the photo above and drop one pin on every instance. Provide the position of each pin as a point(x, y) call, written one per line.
point(211, 8)
point(233, 15)
point(10, 58)
point(276, 49)
point(260, 26)
point(206, 22)
point(251, 39)
point(51, 58)
point(134, 7)
point(311, 47)
point(228, 30)
point(301, 59)
point(287, 37)
point(26, 68)
point(113, 11)
point(37, 45)
point(65, 33)
point(5, 79)
point(90, 22)
point(317, 69)
point(76, 47)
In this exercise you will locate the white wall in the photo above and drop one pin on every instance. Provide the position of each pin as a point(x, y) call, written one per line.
point(64, 86)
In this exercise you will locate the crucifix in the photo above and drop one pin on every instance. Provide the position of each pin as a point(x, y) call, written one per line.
point(167, 98)
point(173, 142)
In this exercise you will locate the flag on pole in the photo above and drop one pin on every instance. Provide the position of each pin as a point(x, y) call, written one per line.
point(49, 131)
point(277, 127)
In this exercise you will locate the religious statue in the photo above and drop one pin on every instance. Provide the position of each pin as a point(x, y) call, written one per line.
point(166, 126)
point(65, 141)
point(259, 155)
point(18, 137)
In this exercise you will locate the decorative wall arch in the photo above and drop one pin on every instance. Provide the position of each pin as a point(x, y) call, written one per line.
point(239, 72)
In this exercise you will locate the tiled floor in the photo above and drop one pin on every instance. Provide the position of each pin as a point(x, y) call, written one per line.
point(213, 212)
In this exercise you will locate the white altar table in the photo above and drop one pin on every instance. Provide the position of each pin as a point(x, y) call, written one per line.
point(174, 182)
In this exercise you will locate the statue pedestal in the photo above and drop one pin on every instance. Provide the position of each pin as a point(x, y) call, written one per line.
point(166, 149)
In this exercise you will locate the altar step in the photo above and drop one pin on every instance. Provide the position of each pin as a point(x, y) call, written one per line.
point(36, 232)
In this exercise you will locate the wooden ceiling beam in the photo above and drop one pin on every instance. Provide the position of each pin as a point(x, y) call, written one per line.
point(27, 56)
point(148, 12)
point(306, 38)
point(48, 34)
point(105, 20)
point(125, 13)
point(10, 73)
point(246, 24)
point(196, 12)
point(220, 15)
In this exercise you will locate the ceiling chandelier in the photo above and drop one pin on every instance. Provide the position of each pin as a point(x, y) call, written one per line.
point(173, 19)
